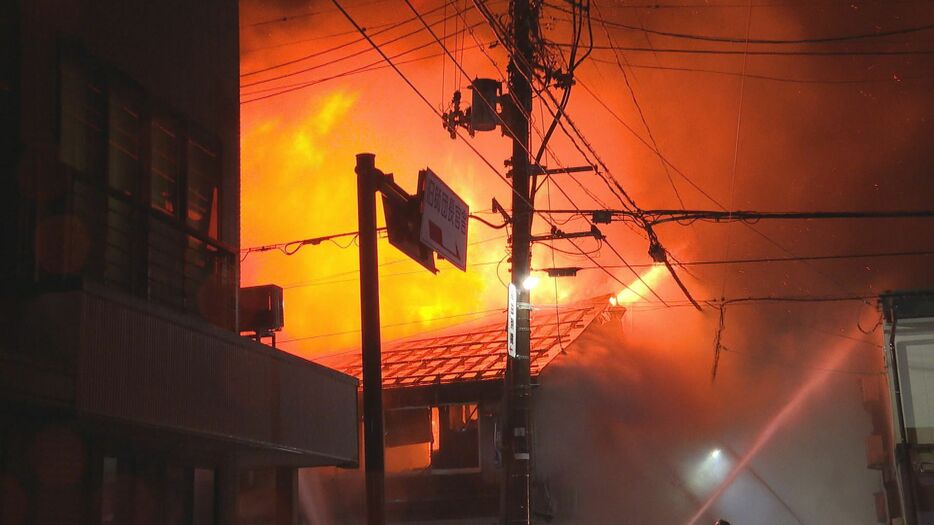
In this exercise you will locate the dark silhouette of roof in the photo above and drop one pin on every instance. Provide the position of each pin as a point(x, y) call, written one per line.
point(477, 353)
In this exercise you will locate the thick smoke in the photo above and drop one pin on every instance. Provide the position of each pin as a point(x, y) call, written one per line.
point(628, 421)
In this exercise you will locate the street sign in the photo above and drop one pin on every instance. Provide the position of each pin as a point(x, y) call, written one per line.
point(511, 320)
point(444, 219)
point(402, 223)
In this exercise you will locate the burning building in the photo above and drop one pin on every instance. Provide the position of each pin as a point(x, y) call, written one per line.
point(442, 404)
point(126, 393)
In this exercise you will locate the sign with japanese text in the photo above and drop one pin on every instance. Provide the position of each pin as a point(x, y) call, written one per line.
point(444, 219)
point(513, 306)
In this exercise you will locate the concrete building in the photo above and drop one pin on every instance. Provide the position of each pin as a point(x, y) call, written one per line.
point(902, 407)
point(126, 393)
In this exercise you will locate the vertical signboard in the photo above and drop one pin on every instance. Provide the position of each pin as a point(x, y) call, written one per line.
point(444, 219)
point(511, 320)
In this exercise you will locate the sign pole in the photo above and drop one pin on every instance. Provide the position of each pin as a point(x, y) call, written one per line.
point(367, 186)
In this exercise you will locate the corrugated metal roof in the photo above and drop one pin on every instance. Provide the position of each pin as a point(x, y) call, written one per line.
point(473, 354)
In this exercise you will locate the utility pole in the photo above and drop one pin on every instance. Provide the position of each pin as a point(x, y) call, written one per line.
point(516, 436)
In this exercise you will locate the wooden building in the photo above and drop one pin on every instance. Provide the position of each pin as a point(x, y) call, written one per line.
point(442, 403)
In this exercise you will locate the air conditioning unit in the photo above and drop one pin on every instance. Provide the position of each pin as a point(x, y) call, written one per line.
point(261, 309)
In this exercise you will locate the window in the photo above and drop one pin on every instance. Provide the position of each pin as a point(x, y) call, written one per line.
point(457, 444)
point(83, 115)
point(203, 185)
point(165, 165)
point(408, 439)
point(440, 438)
point(145, 188)
point(123, 137)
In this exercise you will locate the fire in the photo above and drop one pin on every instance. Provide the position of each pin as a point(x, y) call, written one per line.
point(639, 288)
point(298, 182)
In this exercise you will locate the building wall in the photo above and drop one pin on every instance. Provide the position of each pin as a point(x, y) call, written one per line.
point(909, 353)
point(85, 188)
point(186, 54)
point(118, 405)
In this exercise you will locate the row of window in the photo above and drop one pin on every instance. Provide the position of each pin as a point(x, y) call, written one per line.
point(111, 134)
point(144, 197)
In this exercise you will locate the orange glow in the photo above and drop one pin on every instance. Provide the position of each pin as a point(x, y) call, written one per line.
point(298, 182)
point(639, 288)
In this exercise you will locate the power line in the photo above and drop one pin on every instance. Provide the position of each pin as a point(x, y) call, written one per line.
point(366, 68)
point(771, 41)
point(342, 46)
point(804, 3)
point(418, 92)
point(766, 260)
point(765, 360)
point(311, 39)
point(305, 14)
point(831, 53)
point(493, 23)
point(492, 107)
point(800, 299)
point(638, 106)
point(332, 61)
point(685, 217)
point(290, 247)
point(893, 78)
point(329, 278)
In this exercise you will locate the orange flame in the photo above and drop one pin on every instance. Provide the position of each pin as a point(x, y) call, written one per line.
point(298, 182)
point(639, 288)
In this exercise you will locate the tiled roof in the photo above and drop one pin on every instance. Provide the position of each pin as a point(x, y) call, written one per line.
point(474, 354)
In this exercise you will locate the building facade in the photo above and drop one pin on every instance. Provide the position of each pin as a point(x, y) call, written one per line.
point(902, 408)
point(126, 393)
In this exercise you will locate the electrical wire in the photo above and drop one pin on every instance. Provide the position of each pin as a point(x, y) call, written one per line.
point(358, 40)
point(425, 99)
point(306, 14)
point(767, 260)
point(327, 279)
point(492, 107)
point(372, 66)
point(757, 52)
point(635, 101)
point(333, 61)
point(770, 41)
point(493, 23)
point(894, 78)
point(739, 125)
